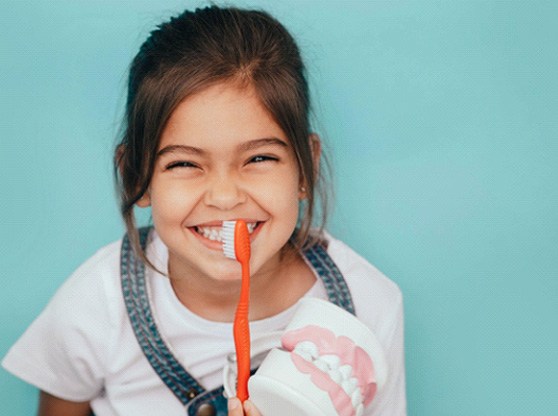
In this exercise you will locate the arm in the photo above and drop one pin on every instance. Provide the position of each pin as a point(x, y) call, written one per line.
point(50, 405)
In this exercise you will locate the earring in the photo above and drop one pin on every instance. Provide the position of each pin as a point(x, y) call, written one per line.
point(302, 193)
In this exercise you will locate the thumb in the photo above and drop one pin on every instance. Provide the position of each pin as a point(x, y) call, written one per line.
point(234, 406)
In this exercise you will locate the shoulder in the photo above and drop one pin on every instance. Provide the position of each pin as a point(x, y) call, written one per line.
point(376, 297)
point(80, 326)
point(359, 272)
point(94, 280)
point(87, 305)
point(94, 289)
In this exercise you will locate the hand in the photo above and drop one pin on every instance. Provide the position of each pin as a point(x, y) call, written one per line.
point(235, 408)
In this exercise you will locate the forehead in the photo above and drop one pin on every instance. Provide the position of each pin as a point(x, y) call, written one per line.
point(220, 115)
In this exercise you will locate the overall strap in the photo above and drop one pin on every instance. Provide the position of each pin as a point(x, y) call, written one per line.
point(134, 289)
point(336, 287)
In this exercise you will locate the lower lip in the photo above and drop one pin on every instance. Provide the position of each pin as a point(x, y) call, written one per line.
point(218, 245)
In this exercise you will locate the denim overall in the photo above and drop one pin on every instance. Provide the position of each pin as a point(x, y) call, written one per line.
point(198, 401)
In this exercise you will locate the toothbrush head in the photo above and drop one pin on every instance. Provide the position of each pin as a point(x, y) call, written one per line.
point(227, 236)
point(236, 240)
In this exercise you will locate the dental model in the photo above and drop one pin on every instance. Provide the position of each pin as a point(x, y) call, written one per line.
point(236, 246)
point(328, 364)
point(336, 365)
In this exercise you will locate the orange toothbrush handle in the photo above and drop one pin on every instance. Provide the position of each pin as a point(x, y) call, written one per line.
point(241, 331)
point(241, 327)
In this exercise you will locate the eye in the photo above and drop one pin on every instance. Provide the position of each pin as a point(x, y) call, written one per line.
point(180, 164)
point(263, 158)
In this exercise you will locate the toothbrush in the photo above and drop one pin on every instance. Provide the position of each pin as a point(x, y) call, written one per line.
point(236, 246)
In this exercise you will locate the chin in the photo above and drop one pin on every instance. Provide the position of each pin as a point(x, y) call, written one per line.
point(227, 272)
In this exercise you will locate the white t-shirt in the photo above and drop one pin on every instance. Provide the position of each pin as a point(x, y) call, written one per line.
point(82, 346)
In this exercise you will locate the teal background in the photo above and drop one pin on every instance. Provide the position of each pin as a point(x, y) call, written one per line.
point(441, 119)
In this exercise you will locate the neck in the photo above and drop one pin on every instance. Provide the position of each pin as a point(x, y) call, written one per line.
point(275, 287)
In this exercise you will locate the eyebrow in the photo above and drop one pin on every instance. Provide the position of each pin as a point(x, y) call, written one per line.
point(266, 141)
point(246, 146)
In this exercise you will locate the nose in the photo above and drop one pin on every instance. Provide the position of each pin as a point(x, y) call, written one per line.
point(224, 192)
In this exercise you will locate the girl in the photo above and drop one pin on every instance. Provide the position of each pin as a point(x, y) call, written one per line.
point(216, 128)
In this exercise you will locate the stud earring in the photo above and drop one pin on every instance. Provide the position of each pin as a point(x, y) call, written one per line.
point(302, 193)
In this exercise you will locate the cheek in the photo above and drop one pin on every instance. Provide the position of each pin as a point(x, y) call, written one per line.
point(281, 198)
point(170, 202)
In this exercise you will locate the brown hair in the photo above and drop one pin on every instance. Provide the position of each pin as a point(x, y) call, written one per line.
point(193, 51)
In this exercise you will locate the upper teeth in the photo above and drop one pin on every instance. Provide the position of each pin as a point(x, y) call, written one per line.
point(330, 364)
point(215, 233)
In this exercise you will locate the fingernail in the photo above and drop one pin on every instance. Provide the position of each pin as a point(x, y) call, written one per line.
point(233, 403)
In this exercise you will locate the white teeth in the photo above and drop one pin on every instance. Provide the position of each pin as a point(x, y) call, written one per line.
point(346, 371)
point(304, 354)
point(331, 360)
point(321, 364)
point(349, 386)
point(335, 375)
point(359, 410)
point(356, 398)
point(216, 233)
point(309, 349)
point(330, 364)
point(213, 234)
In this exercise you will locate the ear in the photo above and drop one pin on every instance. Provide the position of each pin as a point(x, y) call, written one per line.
point(144, 201)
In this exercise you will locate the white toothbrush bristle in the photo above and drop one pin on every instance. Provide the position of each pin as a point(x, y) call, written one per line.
point(228, 239)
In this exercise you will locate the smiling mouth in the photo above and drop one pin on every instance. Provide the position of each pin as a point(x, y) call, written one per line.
point(215, 233)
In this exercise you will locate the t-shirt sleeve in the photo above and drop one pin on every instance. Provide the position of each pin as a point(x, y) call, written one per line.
point(63, 352)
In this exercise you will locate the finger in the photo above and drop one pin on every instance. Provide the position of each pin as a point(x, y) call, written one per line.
point(234, 406)
point(251, 409)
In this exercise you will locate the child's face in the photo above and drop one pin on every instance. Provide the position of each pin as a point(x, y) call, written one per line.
point(222, 157)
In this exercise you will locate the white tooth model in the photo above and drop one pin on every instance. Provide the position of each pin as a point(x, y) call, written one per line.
point(330, 364)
